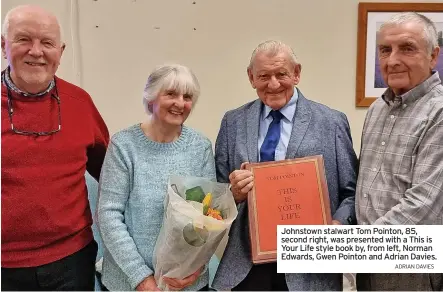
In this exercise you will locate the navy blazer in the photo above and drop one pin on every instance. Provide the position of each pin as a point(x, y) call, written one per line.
point(316, 130)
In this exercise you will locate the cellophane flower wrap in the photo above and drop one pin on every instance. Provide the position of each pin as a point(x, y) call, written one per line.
point(197, 215)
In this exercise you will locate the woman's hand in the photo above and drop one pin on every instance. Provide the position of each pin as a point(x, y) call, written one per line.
point(148, 284)
point(177, 284)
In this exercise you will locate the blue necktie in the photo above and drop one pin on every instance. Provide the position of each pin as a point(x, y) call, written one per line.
point(267, 150)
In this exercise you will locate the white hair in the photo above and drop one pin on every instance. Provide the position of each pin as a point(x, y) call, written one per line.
point(175, 77)
point(5, 26)
point(429, 29)
point(6, 21)
point(272, 48)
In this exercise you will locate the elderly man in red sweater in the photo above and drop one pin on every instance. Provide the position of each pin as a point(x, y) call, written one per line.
point(51, 134)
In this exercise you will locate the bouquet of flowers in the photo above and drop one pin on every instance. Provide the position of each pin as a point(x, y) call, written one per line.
point(198, 213)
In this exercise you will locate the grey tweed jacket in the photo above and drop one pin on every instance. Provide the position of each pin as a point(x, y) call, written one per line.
point(317, 129)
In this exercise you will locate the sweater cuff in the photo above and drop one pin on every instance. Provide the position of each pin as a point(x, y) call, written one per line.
point(205, 269)
point(139, 275)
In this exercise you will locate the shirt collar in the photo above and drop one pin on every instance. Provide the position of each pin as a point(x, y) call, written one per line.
point(288, 111)
point(415, 93)
point(7, 81)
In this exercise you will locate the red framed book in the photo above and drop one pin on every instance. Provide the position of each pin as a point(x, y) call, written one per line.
point(286, 192)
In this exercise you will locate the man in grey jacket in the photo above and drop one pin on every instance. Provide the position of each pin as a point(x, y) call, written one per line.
point(281, 124)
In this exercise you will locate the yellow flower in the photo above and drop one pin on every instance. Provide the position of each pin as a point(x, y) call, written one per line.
point(207, 203)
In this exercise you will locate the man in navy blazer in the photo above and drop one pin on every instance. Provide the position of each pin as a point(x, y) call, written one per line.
point(281, 124)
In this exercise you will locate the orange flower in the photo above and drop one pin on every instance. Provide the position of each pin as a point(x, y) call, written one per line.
point(214, 214)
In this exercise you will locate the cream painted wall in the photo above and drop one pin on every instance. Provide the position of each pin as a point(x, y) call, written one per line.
point(113, 45)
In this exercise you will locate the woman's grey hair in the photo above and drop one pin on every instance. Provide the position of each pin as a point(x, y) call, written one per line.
point(272, 48)
point(175, 77)
point(429, 29)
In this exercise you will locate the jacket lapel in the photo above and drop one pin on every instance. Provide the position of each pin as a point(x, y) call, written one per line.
point(252, 127)
point(300, 126)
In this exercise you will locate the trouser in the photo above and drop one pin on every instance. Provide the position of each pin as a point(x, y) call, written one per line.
point(205, 288)
point(75, 272)
point(263, 277)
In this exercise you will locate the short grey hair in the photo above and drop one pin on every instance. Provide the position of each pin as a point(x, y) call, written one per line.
point(272, 48)
point(174, 77)
point(429, 29)
point(7, 20)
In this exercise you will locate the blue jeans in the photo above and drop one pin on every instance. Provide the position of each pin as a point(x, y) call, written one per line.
point(75, 272)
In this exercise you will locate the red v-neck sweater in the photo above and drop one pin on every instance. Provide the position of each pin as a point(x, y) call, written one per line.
point(44, 202)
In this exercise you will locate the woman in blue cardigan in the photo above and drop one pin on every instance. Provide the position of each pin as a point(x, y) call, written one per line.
point(134, 178)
